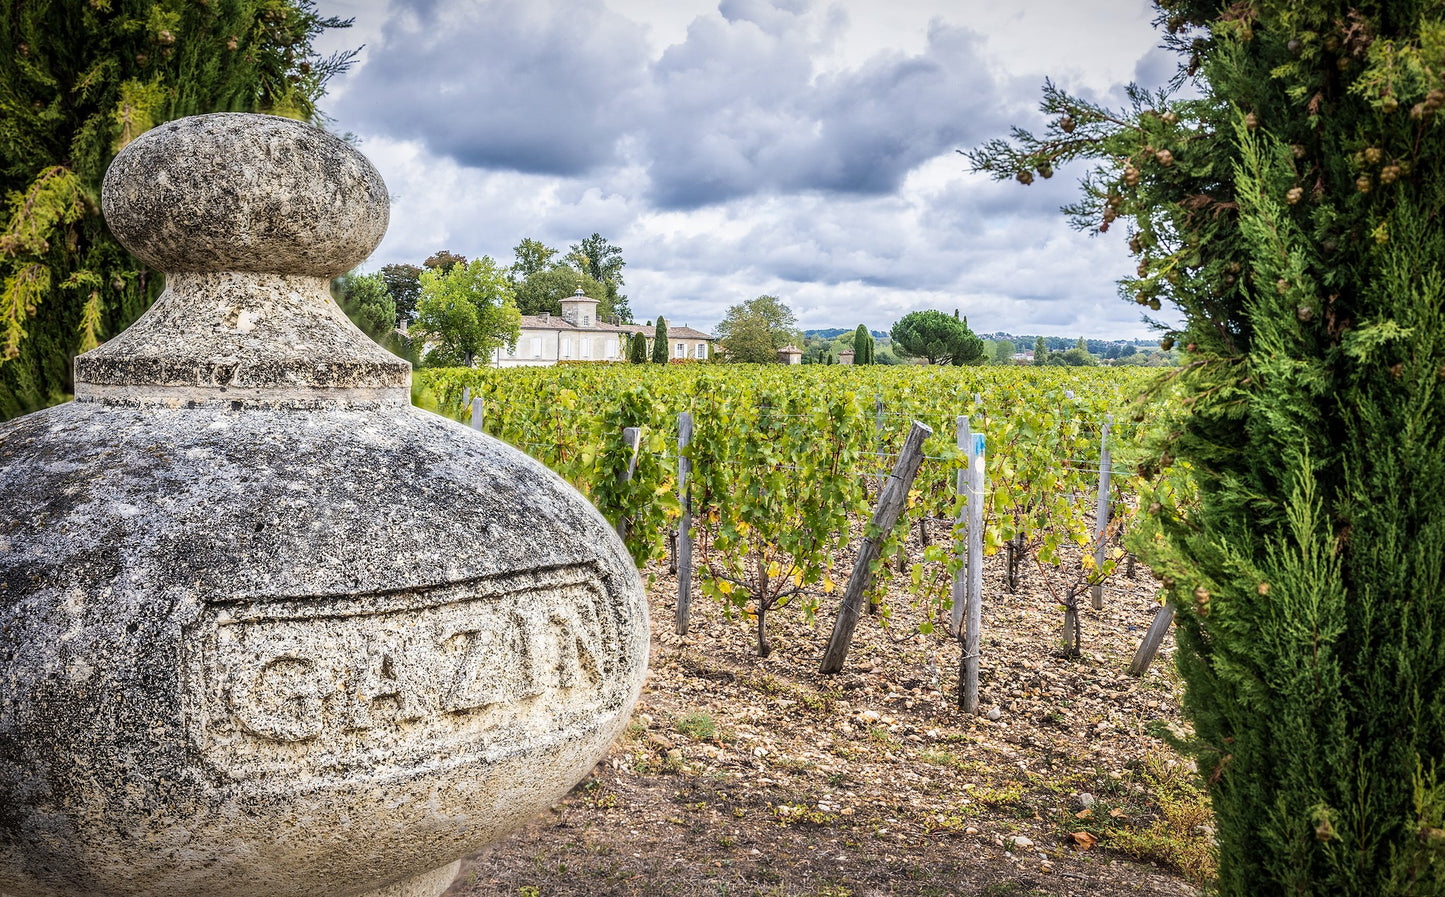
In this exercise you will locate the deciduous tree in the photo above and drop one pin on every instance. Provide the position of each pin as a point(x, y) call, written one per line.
point(466, 312)
point(403, 284)
point(366, 301)
point(755, 330)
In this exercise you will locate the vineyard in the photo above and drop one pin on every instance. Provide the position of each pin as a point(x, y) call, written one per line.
point(787, 463)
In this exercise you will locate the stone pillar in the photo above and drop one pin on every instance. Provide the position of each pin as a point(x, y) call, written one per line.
point(265, 628)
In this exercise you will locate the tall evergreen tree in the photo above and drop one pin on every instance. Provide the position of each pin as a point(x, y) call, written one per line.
point(1289, 205)
point(80, 80)
point(637, 349)
point(659, 342)
point(862, 345)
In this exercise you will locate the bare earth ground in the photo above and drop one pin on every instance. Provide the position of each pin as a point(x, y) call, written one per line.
point(743, 776)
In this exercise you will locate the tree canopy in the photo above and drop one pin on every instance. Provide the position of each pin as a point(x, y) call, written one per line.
point(367, 302)
point(755, 330)
point(403, 285)
point(598, 259)
point(936, 337)
point(78, 81)
point(465, 313)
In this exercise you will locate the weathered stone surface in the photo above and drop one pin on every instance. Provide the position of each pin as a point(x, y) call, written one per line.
point(236, 192)
point(285, 634)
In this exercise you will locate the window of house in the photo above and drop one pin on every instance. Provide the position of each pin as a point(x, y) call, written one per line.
point(611, 350)
point(536, 347)
point(701, 351)
point(566, 348)
point(586, 321)
point(681, 350)
point(586, 345)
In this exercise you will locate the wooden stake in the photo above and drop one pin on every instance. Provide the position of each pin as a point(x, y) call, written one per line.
point(1152, 639)
point(960, 547)
point(632, 438)
point(684, 537)
point(968, 663)
point(1101, 517)
point(878, 428)
point(890, 505)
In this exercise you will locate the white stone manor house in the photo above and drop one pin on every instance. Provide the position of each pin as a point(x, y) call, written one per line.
point(577, 335)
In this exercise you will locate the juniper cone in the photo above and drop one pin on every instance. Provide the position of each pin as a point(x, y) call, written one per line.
point(1291, 213)
point(246, 651)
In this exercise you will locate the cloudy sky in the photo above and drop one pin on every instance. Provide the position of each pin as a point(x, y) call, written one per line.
point(802, 148)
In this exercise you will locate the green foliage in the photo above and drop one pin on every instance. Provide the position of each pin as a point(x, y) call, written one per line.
point(403, 285)
point(755, 330)
point(367, 303)
point(937, 337)
point(1003, 352)
point(545, 290)
point(862, 345)
point(80, 80)
point(1288, 205)
point(531, 257)
point(783, 456)
point(599, 260)
point(659, 342)
point(466, 312)
point(637, 348)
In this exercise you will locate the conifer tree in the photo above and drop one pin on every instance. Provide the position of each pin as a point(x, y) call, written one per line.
point(659, 342)
point(80, 80)
point(637, 349)
point(862, 345)
point(1289, 205)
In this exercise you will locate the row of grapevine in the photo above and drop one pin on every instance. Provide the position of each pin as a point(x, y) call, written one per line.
point(786, 462)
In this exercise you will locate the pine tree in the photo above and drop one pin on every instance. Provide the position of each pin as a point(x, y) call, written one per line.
point(80, 80)
point(1290, 209)
point(659, 342)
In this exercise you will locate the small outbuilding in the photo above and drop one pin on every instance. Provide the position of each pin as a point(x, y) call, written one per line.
point(790, 354)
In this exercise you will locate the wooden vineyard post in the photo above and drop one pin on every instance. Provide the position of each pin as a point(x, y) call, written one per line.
point(1152, 639)
point(1101, 518)
point(684, 537)
point(890, 505)
point(968, 662)
point(960, 577)
point(478, 413)
point(632, 438)
point(878, 441)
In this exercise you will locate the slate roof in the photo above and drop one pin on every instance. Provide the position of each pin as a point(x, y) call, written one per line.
point(556, 322)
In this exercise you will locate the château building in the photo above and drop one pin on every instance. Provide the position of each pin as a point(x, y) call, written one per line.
point(577, 335)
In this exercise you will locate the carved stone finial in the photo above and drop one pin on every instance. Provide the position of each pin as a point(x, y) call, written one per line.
point(249, 216)
point(266, 629)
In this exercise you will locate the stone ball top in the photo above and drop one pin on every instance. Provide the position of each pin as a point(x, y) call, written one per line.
point(245, 192)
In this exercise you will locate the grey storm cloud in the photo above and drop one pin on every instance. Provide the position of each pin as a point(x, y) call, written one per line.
point(502, 85)
point(736, 109)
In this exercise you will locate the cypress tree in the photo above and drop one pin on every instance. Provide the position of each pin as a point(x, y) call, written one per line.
point(78, 81)
point(659, 342)
point(637, 349)
point(1291, 211)
point(862, 346)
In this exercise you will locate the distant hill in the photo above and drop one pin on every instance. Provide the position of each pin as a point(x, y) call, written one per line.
point(835, 332)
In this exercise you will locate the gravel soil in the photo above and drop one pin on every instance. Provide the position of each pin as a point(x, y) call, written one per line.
point(740, 775)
